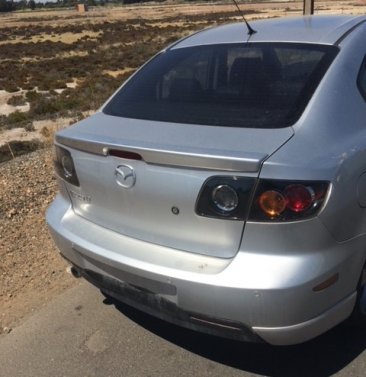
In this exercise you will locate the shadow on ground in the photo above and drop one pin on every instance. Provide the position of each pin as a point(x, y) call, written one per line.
point(323, 356)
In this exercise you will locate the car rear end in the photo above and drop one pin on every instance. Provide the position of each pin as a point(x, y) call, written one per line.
point(162, 203)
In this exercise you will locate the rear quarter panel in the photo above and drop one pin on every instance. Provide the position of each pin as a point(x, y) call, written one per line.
point(330, 142)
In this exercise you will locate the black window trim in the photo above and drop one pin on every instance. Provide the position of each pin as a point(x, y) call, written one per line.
point(362, 71)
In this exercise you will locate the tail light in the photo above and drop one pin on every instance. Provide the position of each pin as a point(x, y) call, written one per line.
point(64, 166)
point(287, 201)
point(225, 197)
point(272, 202)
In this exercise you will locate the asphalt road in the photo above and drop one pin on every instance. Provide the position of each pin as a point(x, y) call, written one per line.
point(81, 334)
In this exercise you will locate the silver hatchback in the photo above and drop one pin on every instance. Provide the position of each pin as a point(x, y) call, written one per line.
point(223, 186)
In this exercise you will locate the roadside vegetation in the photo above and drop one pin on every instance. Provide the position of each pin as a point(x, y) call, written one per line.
point(62, 79)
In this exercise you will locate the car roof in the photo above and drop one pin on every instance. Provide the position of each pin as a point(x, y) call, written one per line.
point(305, 29)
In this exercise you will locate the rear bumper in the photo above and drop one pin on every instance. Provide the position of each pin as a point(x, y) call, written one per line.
point(253, 296)
point(157, 306)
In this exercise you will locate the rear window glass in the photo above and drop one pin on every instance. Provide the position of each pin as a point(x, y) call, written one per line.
point(235, 85)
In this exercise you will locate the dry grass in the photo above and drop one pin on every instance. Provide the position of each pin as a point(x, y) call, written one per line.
point(68, 38)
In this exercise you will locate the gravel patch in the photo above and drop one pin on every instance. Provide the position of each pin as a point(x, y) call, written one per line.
point(31, 270)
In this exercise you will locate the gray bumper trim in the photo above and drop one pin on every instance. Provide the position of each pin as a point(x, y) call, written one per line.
point(157, 306)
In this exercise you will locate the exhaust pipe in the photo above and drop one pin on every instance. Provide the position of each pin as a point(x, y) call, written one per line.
point(75, 272)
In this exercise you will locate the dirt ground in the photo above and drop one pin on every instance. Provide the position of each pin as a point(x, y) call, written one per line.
point(31, 271)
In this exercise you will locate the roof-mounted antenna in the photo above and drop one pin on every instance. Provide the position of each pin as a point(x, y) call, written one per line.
point(251, 31)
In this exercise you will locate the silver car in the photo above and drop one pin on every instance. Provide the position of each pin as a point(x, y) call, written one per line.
point(223, 186)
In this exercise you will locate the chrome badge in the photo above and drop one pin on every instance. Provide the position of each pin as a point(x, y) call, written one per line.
point(125, 176)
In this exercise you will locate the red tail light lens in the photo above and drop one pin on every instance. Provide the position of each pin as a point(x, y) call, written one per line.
point(125, 154)
point(299, 198)
point(287, 201)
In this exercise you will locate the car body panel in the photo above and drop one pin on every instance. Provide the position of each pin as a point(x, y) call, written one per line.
point(128, 212)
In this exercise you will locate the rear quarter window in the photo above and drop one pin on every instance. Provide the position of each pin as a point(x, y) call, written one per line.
point(236, 85)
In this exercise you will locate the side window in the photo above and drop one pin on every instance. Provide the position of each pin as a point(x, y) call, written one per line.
point(361, 80)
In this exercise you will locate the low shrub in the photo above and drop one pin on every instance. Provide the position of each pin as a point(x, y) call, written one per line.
point(10, 86)
point(17, 148)
point(18, 100)
point(17, 119)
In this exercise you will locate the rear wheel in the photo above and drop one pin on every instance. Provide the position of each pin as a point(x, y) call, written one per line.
point(358, 317)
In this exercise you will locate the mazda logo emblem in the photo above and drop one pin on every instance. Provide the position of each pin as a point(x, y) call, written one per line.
point(125, 176)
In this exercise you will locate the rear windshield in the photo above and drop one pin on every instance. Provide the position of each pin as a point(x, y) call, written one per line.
point(262, 85)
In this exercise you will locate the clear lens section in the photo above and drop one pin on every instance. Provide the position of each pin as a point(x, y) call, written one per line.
point(64, 166)
point(67, 165)
point(225, 198)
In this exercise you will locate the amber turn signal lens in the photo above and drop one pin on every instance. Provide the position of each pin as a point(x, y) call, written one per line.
point(272, 203)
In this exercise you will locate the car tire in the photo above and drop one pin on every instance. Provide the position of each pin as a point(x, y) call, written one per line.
point(109, 300)
point(358, 316)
